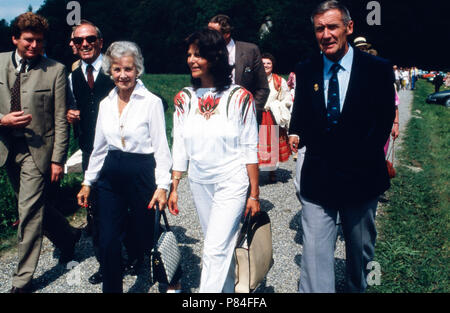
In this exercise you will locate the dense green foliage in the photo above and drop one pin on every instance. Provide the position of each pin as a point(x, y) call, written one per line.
point(413, 245)
point(410, 31)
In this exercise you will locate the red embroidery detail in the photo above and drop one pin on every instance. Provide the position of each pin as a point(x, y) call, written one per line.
point(208, 105)
point(179, 102)
point(276, 82)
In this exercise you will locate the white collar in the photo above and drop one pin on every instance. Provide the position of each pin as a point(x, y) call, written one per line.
point(231, 45)
point(139, 90)
point(17, 57)
point(97, 64)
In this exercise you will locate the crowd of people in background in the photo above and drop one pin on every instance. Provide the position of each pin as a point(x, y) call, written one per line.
point(238, 118)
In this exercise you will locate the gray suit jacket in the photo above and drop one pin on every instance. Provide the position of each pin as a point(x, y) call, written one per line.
point(250, 74)
point(43, 95)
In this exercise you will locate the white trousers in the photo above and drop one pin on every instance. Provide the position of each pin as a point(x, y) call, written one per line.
point(219, 208)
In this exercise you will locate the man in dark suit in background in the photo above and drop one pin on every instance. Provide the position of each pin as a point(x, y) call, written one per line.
point(343, 113)
point(34, 137)
point(89, 85)
point(248, 70)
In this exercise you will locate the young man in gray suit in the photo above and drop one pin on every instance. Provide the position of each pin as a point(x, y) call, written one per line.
point(34, 139)
point(248, 70)
point(343, 113)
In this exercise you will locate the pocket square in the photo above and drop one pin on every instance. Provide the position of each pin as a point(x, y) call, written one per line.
point(247, 69)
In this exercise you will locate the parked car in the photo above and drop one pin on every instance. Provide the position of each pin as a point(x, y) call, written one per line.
point(442, 97)
point(428, 75)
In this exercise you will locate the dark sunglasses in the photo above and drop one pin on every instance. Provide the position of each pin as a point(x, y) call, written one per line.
point(89, 39)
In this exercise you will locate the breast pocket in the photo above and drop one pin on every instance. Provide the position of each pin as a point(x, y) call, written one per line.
point(43, 107)
point(44, 98)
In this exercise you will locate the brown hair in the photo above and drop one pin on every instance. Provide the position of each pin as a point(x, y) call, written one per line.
point(224, 22)
point(29, 21)
point(269, 56)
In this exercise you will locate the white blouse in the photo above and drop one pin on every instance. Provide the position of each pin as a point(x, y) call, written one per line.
point(143, 131)
point(215, 133)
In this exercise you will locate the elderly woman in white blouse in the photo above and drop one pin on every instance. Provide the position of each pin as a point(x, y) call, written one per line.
point(130, 162)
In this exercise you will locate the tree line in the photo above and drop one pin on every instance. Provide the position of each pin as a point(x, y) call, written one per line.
point(410, 32)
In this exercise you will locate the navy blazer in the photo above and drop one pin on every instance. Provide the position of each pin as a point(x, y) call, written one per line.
point(345, 165)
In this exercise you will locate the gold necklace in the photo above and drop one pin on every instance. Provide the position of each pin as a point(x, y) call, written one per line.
point(122, 122)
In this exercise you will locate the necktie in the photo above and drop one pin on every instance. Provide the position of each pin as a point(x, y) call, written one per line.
point(15, 91)
point(333, 105)
point(90, 76)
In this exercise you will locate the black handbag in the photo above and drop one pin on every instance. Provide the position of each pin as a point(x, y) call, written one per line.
point(165, 256)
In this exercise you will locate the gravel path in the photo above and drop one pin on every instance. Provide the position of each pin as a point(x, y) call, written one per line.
point(278, 200)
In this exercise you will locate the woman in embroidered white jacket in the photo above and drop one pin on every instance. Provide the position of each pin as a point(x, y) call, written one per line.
point(215, 140)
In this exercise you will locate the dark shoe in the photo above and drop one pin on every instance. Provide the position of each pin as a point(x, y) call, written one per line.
point(272, 177)
point(24, 289)
point(67, 255)
point(96, 278)
point(132, 268)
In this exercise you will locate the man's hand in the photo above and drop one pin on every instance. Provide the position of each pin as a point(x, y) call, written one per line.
point(395, 131)
point(56, 172)
point(73, 116)
point(293, 143)
point(16, 119)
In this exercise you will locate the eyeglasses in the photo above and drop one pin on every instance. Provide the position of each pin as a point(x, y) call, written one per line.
point(89, 39)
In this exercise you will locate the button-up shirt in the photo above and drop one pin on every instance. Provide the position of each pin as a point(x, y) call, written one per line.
point(343, 75)
point(143, 131)
point(231, 47)
point(97, 64)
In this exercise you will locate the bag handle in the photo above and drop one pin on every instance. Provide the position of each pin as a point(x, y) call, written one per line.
point(391, 152)
point(246, 228)
point(156, 227)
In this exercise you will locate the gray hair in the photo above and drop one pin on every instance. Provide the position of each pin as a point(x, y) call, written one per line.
point(332, 5)
point(120, 49)
point(86, 22)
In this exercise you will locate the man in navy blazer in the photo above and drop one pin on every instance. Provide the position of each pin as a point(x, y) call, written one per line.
point(343, 113)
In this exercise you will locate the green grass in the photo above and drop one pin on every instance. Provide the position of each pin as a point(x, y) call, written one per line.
point(167, 86)
point(413, 243)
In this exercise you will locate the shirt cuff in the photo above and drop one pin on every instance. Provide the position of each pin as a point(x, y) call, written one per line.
point(163, 186)
point(180, 165)
point(86, 183)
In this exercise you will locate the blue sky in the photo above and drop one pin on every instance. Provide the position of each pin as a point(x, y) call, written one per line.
point(9, 9)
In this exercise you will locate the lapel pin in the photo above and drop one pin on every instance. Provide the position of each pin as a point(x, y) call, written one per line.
point(316, 87)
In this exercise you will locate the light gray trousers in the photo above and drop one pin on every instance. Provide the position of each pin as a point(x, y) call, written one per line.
point(319, 240)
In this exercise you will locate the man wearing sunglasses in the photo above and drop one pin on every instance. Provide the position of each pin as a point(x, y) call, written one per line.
point(89, 85)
